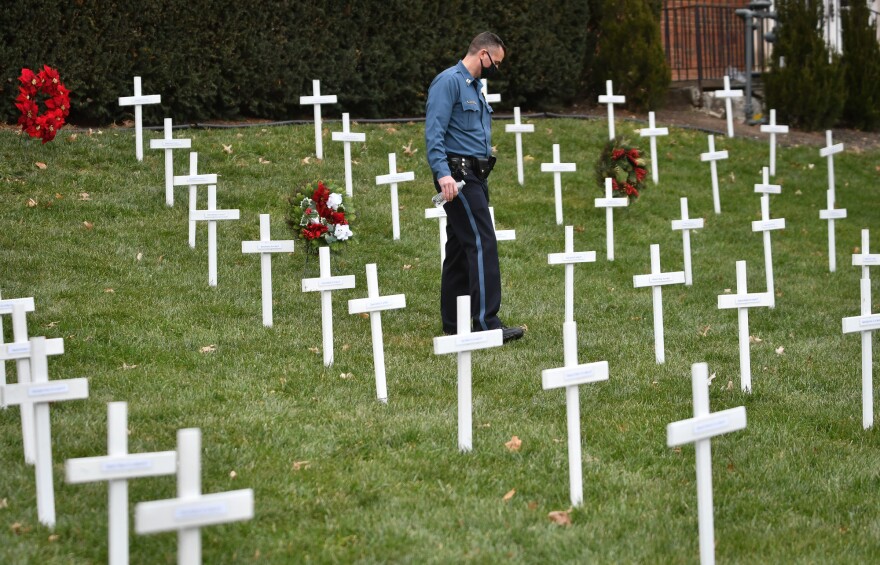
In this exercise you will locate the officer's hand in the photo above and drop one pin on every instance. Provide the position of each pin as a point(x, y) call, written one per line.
point(447, 187)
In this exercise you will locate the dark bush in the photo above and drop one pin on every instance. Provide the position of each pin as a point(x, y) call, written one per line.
point(861, 60)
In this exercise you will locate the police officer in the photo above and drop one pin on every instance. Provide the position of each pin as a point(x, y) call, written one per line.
point(458, 134)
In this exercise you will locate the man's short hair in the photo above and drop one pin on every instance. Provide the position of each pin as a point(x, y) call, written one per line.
point(486, 40)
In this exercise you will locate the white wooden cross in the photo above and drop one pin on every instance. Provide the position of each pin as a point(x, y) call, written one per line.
point(686, 224)
point(766, 225)
point(392, 178)
point(829, 151)
point(742, 301)
point(773, 129)
point(727, 95)
point(462, 343)
point(765, 187)
point(192, 180)
point(519, 128)
point(439, 213)
point(652, 131)
point(569, 258)
point(169, 144)
point(375, 304)
point(39, 393)
point(265, 247)
point(557, 168)
point(347, 137)
point(831, 214)
point(212, 215)
point(138, 101)
point(484, 88)
point(866, 260)
point(610, 203)
point(117, 468)
point(713, 156)
point(698, 430)
point(656, 279)
point(192, 510)
point(326, 284)
point(571, 376)
point(316, 100)
point(611, 99)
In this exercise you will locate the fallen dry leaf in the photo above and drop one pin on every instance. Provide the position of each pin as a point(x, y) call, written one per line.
point(31, 203)
point(51, 324)
point(345, 375)
point(126, 366)
point(560, 517)
point(300, 465)
point(549, 131)
point(579, 229)
point(729, 385)
point(390, 129)
point(88, 225)
point(4, 503)
point(227, 148)
point(139, 256)
point(346, 346)
point(755, 339)
point(407, 267)
point(58, 196)
point(232, 474)
point(857, 250)
point(263, 161)
point(509, 495)
point(84, 196)
point(208, 349)
point(494, 149)
point(798, 192)
point(314, 350)
point(109, 290)
point(712, 378)
point(532, 505)
point(41, 165)
point(307, 160)
point(732, 177)
point(408, 149)
point(72, 137)
point(364, 315)
point(780, 350)
point(18, 528)
point(705, 330)
point(528, 158)
point(726, 291)
point(810, 165)
point(514, 444)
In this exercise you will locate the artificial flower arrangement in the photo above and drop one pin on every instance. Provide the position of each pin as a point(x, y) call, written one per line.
point(624, 165)
point(46, 83)
point(320, 218)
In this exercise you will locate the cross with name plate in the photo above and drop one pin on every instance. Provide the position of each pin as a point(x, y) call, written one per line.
point(169, 144)
point(462, 344)
point(38, 394)
point(610, 203)
point(519, 128)
point(699, 430)
point(439, 213)
point(829, 151)
point(713, 157)
point(557, 168)
point(317, 100)
point(742, 301)
point(766, 225)
point(728, 95)
point(193, 179)
point(773, 129)
point(571, 376)
point(569, 258)
point(192, 510)
point(347, 137)
point(375, 304)
point(326, 284)
point(656, 279)
point(117, 468)
point(212, 215)
point(139, 101)
point(831, 213)
point(686, 224)
point(652, 132)
point(392, 178)
point(611, 99)
point(266, 247)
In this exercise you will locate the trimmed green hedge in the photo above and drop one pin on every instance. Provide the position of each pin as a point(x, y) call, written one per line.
point(861, 60)
point(225, 59)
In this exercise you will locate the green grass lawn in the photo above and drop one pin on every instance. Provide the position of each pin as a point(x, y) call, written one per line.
point(340, 477)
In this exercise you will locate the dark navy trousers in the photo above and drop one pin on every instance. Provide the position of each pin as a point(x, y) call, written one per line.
point(471, 264)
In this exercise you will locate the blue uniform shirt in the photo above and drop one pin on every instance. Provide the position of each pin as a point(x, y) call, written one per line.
point(459, 120)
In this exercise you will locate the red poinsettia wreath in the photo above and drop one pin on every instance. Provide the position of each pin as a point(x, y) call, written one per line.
point(57, 100)
point(624, 165)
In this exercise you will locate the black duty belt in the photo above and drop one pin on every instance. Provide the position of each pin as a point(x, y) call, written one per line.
point(480, 167)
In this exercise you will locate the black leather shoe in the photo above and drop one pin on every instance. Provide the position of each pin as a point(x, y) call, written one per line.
point(510, 334)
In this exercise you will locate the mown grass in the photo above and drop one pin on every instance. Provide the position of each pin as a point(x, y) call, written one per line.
point(386, 482)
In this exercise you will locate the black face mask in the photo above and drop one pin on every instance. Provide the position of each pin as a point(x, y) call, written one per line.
point(490, 71)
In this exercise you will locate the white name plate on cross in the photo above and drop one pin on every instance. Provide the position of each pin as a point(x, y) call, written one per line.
point(865, 259)
point(316, 100)
point(139, 101)
point(831, 214)
point(192, 510)
point(742, 301)
point(169, 144)
point(392, 179)
point(652, 132)
point(829, 151)
point(766, 225)
point(773, 129)
point(656, 280)
point(463, 343)
point(212, 215)
point(609, 203)
point(17, 309)
point(117, 469)
point(193, 180)
point(611, 99)
point(685, 224)
point(713, 157)
point(7, 305)
point(727, 95)
point(519, 128)
point(347, 137)
point(698, 430)
point(576, 375)
point(265, 247)
point(22, 350)
point(765, 187)
point(325, 284)
point(569, 258)
point(557, 168)
point(865, 324)
point(490, 98)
